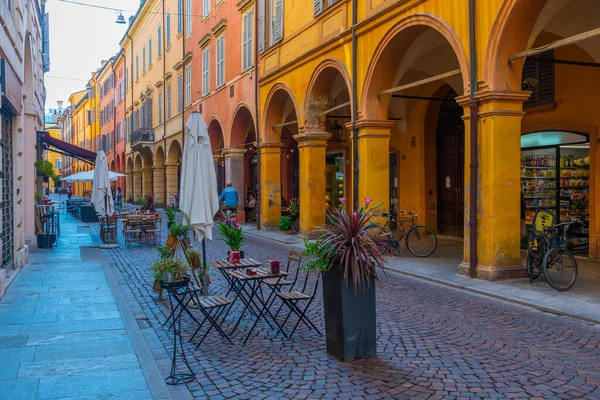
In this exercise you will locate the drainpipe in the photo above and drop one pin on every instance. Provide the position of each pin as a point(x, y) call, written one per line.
point(164, 119)
point(131, 119)
point(182, 79)
point(474, 162)
point(257, 110)
point(354, 108)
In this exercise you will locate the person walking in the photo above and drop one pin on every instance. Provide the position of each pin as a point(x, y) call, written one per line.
point(70, 192)
point(229, 196)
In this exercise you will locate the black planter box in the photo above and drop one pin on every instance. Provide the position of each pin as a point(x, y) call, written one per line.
point(45, 241)
point(350, 318)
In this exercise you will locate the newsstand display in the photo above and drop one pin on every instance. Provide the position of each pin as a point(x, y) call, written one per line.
point(555, 178)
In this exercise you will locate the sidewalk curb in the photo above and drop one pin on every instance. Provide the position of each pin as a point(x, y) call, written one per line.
point(265, 235)
point(493, 296)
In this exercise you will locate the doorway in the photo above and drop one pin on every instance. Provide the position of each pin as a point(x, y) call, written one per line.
point(450, 167)
point(335, 180)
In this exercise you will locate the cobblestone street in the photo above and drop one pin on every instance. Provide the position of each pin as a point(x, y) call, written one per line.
point(434, 342)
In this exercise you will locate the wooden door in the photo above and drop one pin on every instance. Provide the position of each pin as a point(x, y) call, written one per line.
point(450, 178)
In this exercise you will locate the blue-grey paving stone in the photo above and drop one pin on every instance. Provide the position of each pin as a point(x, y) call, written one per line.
point(8, 372)
point(10, 330)
point(86, 300)
point(16, 354)
point(78, 365)
point(83, 316)
point(99, 287)
point(74, 337)
point(72, 326)
point(13, 341)
point(27, 319)
point(74, 308)
point(11, 310)
point(91, 384)
point(99, 348)
point(137, 395)
point(20, 389)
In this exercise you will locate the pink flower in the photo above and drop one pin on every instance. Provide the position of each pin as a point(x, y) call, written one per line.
point(343, 200)
point(232, 219)
point(368, 200)
point(237, 225)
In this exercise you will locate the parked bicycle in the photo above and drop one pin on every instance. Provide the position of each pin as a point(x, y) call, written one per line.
point(420, 240)
point(547, 252)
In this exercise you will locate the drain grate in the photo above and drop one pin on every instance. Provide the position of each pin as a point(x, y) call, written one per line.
point(143, 323)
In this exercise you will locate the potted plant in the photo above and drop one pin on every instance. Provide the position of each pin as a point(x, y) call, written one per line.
point(45, 170)
point(170, 214)
point(184, 233)
point(232, 234)
point(348, 251)
point(38, 199)
point(194, 257)
point(285, 223)
point(173, 235)
point(294, 208)
point(169, 269)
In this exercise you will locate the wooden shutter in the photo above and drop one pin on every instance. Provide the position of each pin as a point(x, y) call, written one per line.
point(541, 69)
point(278, 34)
point(261, 26)
point(148, 113)
point(318, 6)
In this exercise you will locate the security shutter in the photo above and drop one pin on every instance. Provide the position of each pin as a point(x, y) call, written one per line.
point(261, 26)
point(278, 29)
point(6, 175)
point(541, 69)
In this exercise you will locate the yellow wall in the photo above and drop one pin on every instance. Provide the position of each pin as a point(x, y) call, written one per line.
point(52, 156)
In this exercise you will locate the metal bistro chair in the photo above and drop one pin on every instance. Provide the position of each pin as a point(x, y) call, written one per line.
point(276, 284)
point(291, 300)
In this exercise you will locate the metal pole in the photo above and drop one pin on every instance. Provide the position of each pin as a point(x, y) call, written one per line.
point(204, 277)
point(356, 171)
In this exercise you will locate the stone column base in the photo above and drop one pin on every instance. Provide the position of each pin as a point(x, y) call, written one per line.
point(494, 273)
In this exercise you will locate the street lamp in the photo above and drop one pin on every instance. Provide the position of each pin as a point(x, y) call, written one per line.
point(120, 19)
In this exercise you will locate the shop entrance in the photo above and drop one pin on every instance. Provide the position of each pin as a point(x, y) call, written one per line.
point(335, 179)
point(450, 167)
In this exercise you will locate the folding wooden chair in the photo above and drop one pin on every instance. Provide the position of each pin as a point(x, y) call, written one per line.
point(207, 305)
point(276, 284)
point(291, 300)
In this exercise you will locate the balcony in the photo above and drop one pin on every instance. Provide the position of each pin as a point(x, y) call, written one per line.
point(143, 137)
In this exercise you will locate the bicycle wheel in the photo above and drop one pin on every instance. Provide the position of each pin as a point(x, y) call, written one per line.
point(421, 241)
point(560, 269)
point(386, 241)
point(536, 250)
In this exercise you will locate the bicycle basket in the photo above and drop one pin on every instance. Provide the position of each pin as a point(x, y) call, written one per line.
point(541, 220)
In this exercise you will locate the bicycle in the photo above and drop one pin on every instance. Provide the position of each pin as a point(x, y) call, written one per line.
point(547, 252)
point(420, 240)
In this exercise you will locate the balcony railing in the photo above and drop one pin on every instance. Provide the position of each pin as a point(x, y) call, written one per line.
point(142, 135)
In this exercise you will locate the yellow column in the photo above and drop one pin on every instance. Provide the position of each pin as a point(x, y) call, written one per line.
point(270, 184)
point(499, 186)
point(312, 147)
point(374, 162)
point(158, 177)
point(172, 181)
point(146, 180)
point(234, 173)
point(129, 185)
point(137, 184)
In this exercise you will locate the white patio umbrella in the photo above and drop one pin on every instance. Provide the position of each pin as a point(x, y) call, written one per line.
point(88, 176)
point(101, 191)
point(198, 189)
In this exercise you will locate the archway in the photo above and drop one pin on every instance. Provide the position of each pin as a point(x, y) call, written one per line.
point(129, 181)
point(147, 172)
point(241, 160)
point(217, 143)
point(173, 166)
point(159, 176)
point(138, 191)
point(278, 154)
point(562, 100)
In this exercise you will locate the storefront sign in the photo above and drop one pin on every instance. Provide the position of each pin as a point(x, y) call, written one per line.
point(10, 89)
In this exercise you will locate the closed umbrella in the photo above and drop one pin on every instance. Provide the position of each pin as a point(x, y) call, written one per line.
point(199, 199)
point(101, 192)
point(88, 176)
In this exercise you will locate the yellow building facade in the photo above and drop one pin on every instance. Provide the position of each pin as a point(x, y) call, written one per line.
point(154, 56)
point(406, 75)
point(84, 122)
point(54, 158)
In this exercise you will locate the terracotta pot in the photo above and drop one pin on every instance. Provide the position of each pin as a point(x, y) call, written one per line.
point(171, 240)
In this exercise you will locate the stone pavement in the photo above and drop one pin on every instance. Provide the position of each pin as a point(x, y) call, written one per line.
point(433, 342)
point(65, 335)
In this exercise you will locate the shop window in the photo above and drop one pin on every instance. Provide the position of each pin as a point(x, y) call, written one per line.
point(538, 76)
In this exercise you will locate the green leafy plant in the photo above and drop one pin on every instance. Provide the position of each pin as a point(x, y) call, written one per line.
point(184, 231)
point(316, 253)
point(165, 252)
point(170, 213)
point(37, 197)
point(139, 200)
point(194, 257)
point(168, 265)
point(294, 208)
point(349, 241)
point(45, 169)
point(285, 223)
point(174, 230)
point(232, 233)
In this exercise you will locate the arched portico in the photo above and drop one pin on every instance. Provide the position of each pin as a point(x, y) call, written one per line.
point(159, 175)
point(280, 125)
point(217, 143)
point(137, 178)
point(173, 170)
point(129, 192)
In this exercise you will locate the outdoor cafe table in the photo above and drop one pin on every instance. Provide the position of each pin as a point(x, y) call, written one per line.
point(253, 283)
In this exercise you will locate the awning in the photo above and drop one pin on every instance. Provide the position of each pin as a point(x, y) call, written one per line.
point(67, 149)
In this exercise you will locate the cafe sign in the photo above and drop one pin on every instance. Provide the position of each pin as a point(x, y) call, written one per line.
point(10, 89)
